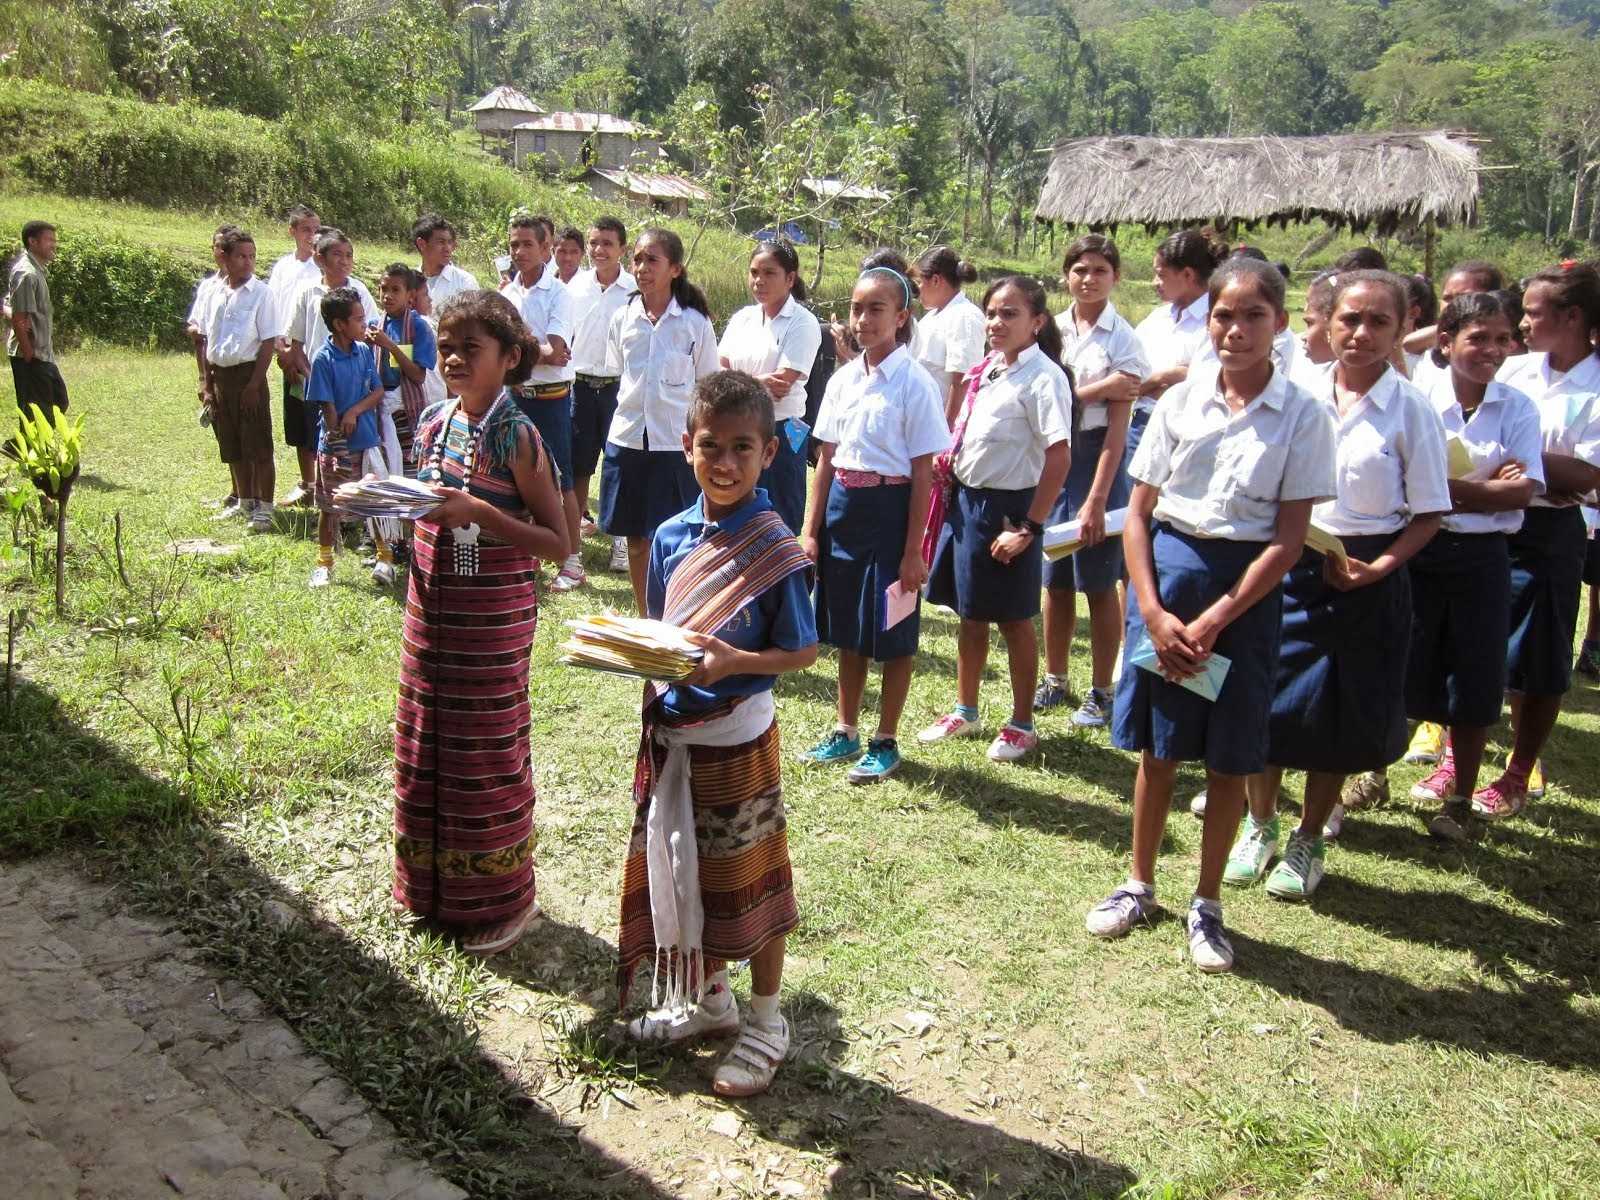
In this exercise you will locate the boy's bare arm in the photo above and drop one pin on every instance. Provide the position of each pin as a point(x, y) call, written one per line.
point(722, 660)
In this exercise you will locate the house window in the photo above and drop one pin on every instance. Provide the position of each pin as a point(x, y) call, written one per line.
point(539, 143)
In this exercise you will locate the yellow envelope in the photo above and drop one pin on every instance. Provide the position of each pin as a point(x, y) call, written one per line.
point(1459, 457)
point(1325, 541)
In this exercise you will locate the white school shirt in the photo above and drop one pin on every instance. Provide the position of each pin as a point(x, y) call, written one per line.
point(303, 322)
point(288, 276)
point(1110, 346)
point(200, 306)
point(593, 306)
point(1223, 475)
point(658, 364)
point(959, 326)
point(1427, 372)
point(1568, 405)
point(1286, 354)
point(1389, 453)
point(450, 280)
point(927, 348)
point(238, 320)
point(879, 420)
point(546, 309)
point(1172, 336)
point(788, 342)
point(1504, 427)
point(1020, 411)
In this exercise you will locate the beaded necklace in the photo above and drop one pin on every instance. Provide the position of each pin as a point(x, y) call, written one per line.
point(465, 536)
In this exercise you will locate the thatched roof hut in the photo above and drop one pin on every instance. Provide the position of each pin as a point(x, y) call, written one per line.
point(1377, 181)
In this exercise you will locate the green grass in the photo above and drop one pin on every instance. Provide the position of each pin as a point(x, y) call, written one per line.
point(1428, 1027)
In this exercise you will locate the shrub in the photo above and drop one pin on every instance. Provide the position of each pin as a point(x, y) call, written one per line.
point(113, 291)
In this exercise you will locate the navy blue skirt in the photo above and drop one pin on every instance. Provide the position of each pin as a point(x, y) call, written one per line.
point(1340, 699)
point(1591, 563)
point(640, 489)
point(1228, 734)
point(1460, 616)
point(785, 481)
point(966, 577)
point(858, 556)
point(1547, 556)
point(1096, 568)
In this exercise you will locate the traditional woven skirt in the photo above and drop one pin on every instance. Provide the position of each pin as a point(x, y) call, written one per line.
point(1339, 703)
point(463, 785)
point(1547, 556)
point(741, 835)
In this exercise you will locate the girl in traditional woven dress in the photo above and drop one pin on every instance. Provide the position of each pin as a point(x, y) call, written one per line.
point(463, 786)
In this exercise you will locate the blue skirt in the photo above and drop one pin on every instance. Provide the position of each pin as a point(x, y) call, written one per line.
point(1339, 704)
point(785, 481)
point(1547, 556)
point(966, 577)
point(640, 489)
point(1096, 568)
point(858, 556)
point(1591, 563)
point(1460, 616)
point(1228, 734)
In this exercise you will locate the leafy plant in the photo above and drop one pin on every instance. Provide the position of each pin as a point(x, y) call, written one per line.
point(49, 449)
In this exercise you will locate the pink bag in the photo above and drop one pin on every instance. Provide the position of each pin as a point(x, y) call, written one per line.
point(944, 466)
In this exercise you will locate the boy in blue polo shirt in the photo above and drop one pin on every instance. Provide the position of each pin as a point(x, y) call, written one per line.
point(344, 383)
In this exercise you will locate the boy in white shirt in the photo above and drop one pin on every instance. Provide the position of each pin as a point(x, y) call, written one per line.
point(435, 240)
point(194, 325)
point(290, 274)
point(241, 335)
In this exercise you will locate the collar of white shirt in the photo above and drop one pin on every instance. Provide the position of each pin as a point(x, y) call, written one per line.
point(1024, 359)
point(891, 366)
point(1384, 390)
point(1584, 377)
point(547, 279)
point(1277, 392)
point(1196, 312)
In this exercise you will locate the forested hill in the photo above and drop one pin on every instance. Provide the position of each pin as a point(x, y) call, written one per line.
point(977, 85)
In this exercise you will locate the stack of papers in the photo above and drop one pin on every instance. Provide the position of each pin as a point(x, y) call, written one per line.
point(1067, 537)
point(1458, 457)
point(396, 497)
point(632, 646)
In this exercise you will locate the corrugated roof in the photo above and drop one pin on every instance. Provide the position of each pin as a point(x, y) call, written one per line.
point(506, 99)
point(657, 187)
point(582, 122)
point(832, 189)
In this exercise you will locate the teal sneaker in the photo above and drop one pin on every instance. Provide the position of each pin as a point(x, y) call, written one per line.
point(1300, 870)
point(881, 760)
point(837, 747)
point(1247, 861)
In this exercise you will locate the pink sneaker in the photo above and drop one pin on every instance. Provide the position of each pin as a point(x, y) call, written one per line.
point(1502, 799)
point(951, 725)
point(1012, 744)
point(1439, 786)
point(567, 579)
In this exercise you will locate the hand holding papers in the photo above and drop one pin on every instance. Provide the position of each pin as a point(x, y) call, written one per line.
point(1207, 685)
point(898, 604)
point(1325, 541)
point(633, 646)
point(396, 497)
point(1067, 537)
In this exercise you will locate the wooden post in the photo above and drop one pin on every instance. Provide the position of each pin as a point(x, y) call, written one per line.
point(1430, 237)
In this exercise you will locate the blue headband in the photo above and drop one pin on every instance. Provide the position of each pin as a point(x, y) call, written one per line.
point(904, 282)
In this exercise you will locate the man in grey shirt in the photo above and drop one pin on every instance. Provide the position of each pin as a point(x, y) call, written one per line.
point(28, 342)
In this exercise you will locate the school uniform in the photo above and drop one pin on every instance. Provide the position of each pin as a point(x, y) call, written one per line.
point(449, 281)
point(758, 346)
point(594, 385)
point(1461, 580)
point(1339, 702)
point(1548, 552)
point(1109, 347)
point(404, 401)
point(1221, 477)
point(1171, 335)
point(926, 348)
point(959, 328)
point(877, 421)
point(645, 478)
point(288, 276)
point(237, 320)
point(302, 322)
point(1019, 411)
point(546, 397)
point(342, 378)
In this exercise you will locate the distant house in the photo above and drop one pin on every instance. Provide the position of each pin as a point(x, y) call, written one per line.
point(563, 140)
point(498, 113)
point(669, 194)
point(837, 189)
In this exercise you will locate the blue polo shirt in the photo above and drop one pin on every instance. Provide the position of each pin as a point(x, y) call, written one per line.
point(345, 379)
point(424, 348)
point(780, 616)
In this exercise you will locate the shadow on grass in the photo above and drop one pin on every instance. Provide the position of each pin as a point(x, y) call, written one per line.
point(60, 786)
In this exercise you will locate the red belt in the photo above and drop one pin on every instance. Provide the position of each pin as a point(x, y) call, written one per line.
point(866, 479)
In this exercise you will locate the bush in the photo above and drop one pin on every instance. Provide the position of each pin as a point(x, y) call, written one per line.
point(113, 291)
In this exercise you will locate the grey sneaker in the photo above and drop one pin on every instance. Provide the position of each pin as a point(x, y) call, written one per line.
point(1095, 711)
point(1121, 911)
point(1208, 940)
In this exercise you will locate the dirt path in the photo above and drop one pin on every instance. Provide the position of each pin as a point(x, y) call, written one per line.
point(129, 1069)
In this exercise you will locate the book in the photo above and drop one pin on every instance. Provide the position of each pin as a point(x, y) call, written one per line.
point(637, 647)
point(1067, 537)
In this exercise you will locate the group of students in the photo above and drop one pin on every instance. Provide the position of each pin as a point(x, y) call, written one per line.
point(945, 444)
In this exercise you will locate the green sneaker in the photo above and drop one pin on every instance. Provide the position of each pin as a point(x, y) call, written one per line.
point(881, 760)
point(1247, 861)
point(837, 747)
point(1299, 870)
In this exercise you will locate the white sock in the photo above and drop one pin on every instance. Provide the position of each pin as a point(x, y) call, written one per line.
point(1057, 680)
point(574, 562)
point(848, 730)
point(764, 1010)
point(1135, 885)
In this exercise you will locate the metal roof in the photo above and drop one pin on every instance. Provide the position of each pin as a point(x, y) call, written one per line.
point(837, 189)
point(657, 187)
point(505, 98)
point(582, 122)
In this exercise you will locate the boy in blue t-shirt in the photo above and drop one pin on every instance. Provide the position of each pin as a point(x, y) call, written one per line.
point(407, 351)
point(344, 384)
point(730, 574)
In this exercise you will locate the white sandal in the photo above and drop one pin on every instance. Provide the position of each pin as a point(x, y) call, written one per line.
point(670, 1025)
point(753, 1061)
